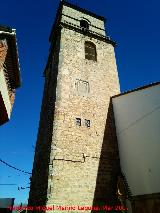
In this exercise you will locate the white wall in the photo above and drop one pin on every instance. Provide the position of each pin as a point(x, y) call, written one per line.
point(137, 118)
point(4, 92)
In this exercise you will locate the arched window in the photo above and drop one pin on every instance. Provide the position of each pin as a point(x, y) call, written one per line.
point(84, 24)
point(90, 51)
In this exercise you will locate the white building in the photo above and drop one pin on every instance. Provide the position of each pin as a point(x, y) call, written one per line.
point(137, 120)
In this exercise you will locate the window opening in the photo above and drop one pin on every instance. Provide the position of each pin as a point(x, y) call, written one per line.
point(78, 121)
point(90, 51)
point(84, 24)
point(87, 123)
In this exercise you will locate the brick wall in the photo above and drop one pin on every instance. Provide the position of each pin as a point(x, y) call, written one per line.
point(3, 68)
point(3, 52)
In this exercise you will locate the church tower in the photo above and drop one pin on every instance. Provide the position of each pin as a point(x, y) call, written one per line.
point(76, 158)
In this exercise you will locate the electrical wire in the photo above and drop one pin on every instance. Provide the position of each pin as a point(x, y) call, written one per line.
point(14, 167)
point(12, 184)
point(8, 184)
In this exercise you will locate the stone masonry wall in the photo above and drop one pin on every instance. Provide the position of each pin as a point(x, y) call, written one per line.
point(39, 179)
point(68, 161)
point(96, 25)
point(77, 158)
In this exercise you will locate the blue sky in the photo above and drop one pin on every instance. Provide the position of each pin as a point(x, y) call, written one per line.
point(133, 24)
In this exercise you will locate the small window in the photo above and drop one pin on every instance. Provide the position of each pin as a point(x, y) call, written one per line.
point(78, 121)
point(87, 123)
point(90, 51)
point(84, 24)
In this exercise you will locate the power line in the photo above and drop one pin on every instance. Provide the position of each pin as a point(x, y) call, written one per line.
point(12, 184)
point(14, 167)
point(8, 184)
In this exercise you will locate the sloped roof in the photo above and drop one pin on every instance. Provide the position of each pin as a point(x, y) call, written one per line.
point(12, 59)
point(137, 89)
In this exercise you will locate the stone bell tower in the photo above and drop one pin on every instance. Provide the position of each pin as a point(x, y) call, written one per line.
point(76, 157)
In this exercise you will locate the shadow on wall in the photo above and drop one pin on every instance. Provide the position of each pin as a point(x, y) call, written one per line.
point(40, 173)
point(109, 167)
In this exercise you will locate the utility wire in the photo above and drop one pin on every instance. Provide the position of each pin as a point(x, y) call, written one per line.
point(14, 167)
point(8, 184)
point(12, 184)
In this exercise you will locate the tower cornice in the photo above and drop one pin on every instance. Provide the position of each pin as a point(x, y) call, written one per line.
point(59, 14)
point(89, 33)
